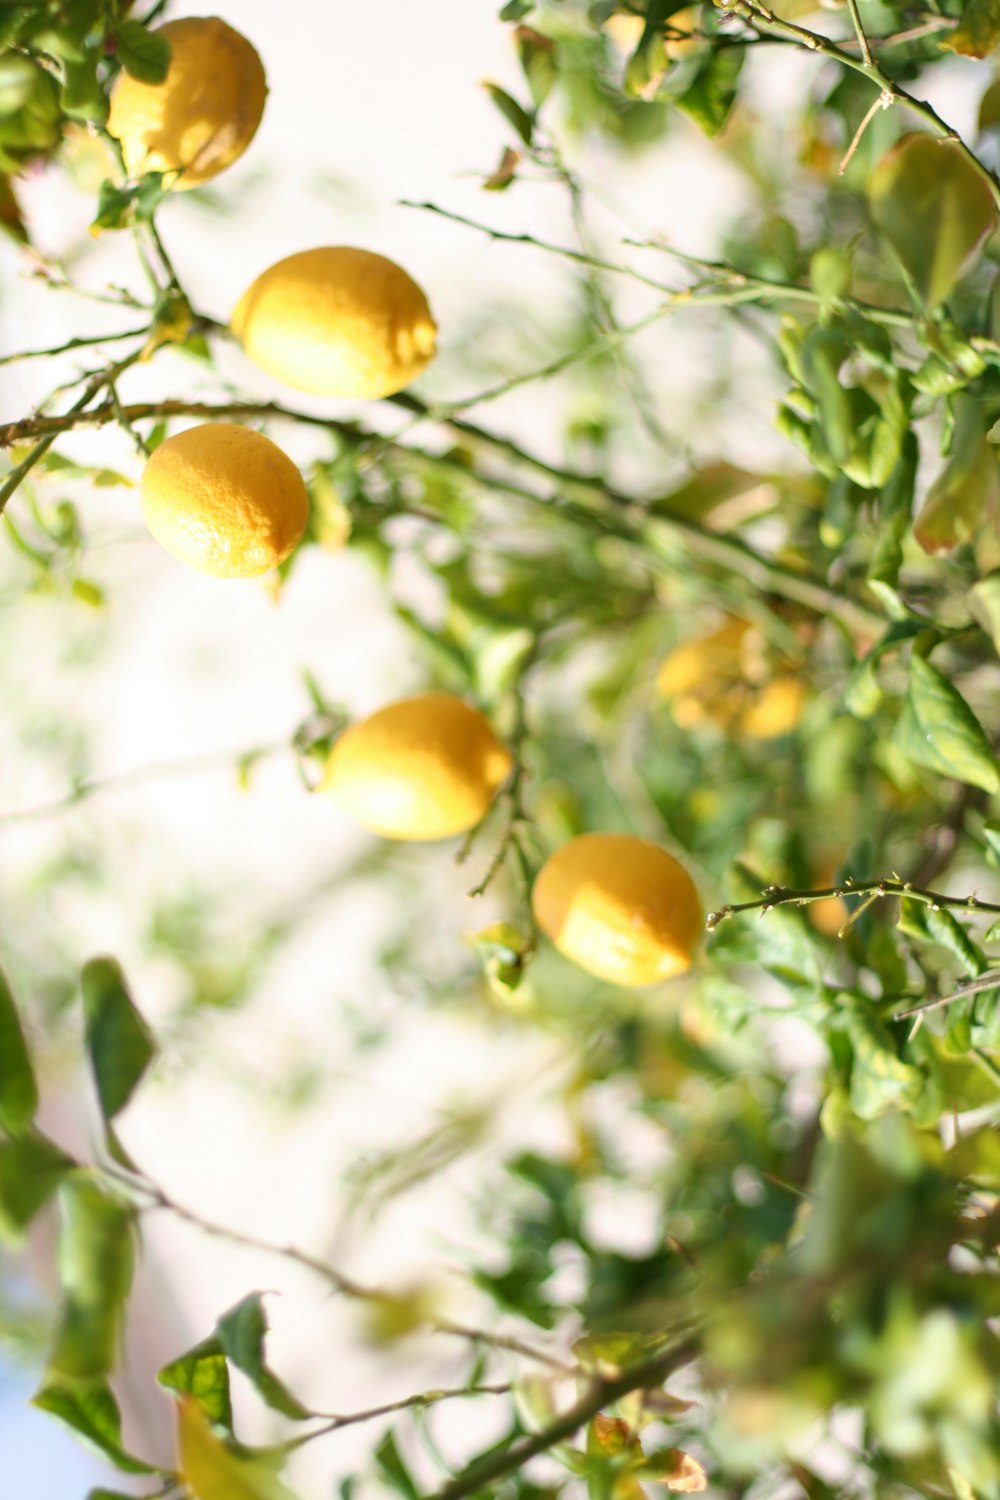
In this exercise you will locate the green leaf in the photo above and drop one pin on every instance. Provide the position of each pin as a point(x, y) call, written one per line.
point(879, 1079)
point(31, 1169)
point(515, 114)
point(938, 925)
point(144, 54)
point(538, 59)
point(984, 606)
point(978, 31)
point(823, 353)
point(938, 729)
point(114, 206)
point(393, 1469)
point(82, 96)
point(18, 1089)
point(120, 1046)
point(966, 494)
point(90, 1409)
point(709, 99)
point(96, 1262)
point(241, 1333)
point(934, 209)
point(893, 514)
point(102, 1494)
point(202, 1373)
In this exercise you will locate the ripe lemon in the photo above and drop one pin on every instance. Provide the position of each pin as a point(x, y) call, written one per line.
point(224, 499)
point(203, 115)
point(422, 768)
point(727, 678)
point(776, 708)
point(619, 907)
point(337, 322)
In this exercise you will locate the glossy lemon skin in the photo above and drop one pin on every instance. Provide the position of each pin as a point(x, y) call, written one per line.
point(204, 114)
point(620, 907)
point(425, 767)
point(337, 321)
point(225, 500)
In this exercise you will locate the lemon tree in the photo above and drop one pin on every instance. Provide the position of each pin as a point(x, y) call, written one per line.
point(698, 569)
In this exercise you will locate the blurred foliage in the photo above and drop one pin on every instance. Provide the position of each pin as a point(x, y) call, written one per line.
point(785, 672)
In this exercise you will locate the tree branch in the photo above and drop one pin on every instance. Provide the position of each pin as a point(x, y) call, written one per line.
point(602, 1392)
point(760, 16)
point(988, 981)
point(779, 895)
point(656, 531)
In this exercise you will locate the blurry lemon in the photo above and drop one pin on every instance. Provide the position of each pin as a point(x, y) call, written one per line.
point(203, 115)
point(775, 709)
point(337, 322)
point(620, 907)
point(224, 499)
point(711, 655)
point(422, 768)
point(726, 677)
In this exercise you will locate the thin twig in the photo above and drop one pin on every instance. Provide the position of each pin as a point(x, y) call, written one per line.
point(647, 1375)
point(988, 981)
point(425, 1398)
point(859, 32)
point(667, 536)
point(94, 386)
point(338, 1280)
point(100, 785)
point(78, 343)
point(760, 16)
point(883, 101)
point(779, 895)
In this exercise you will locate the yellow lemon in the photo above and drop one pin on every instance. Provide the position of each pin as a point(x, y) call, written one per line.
point(203, 115)
point(690, 664)
point(224, 499)
point(337, 322)
point(775, 709)
point(422, 768)
point(619, 907)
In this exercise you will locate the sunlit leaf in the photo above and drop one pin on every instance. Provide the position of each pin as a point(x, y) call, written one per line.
point(880, 1080)
point(966, 494)
point(204, 1374)
point(935, 210)
point(938, 729)
point(214, 1472)
point(978, 31)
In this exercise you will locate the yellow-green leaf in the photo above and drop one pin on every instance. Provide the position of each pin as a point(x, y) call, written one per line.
point(18, 1090)
point(938, 729)
point(935, 209)
point(212, 1471)
point(978, 31)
